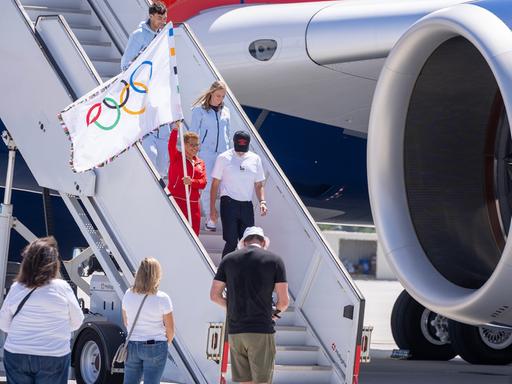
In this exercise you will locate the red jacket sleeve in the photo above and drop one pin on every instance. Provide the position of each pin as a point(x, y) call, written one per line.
point(200, 181)
point(173, 141)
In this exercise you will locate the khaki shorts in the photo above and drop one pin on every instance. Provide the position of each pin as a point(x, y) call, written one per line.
point(252, 357)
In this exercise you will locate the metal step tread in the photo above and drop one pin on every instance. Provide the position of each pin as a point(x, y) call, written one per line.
point(204, 232)
point(96, 43)
point(290, 328)
point(286, 367)
point(301, 368)
point(106, 60)
point(42, 8)
point(86, 27)
point(297, 348)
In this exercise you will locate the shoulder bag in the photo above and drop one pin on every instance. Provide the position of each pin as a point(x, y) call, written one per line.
point(22, 302)
point(122, 352)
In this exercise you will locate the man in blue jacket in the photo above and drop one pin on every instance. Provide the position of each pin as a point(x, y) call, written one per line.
point(155, 144)
point(144, 34)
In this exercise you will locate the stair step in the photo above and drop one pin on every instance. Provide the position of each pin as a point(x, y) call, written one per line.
point(88, 32)
point(55, 10)
point(100, 49)
point(106, 76)
point(297, 355)
point(290, 335)
point(106, 60)
point(50, 3)
point(86, 27)
point(96, 43)
point(297, 348)
point(216, 233)
point(290, 328)
point(298, 374)
point(302, 374)
point(303, 368)
point(106, 66)
point(212, 241)
point(72, 15)
point(288, 317)
point(216, 257)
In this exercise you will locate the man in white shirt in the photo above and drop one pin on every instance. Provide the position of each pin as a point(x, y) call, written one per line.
point(238, 172)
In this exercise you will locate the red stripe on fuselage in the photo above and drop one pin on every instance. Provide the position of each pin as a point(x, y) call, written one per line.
point(182, 10)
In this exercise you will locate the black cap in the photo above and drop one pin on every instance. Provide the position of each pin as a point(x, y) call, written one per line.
point(241, 140)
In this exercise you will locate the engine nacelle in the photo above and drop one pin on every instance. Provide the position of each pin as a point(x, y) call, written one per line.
point(440, 161)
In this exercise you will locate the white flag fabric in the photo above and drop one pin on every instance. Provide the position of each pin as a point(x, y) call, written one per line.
point(113, 117)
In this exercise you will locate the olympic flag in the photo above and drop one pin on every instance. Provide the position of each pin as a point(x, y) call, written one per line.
point(114, 116)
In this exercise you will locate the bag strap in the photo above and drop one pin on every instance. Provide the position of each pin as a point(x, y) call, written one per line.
point(135, 320)
point(22, 302)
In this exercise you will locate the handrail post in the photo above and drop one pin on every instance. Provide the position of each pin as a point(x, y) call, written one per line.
point(6, 218)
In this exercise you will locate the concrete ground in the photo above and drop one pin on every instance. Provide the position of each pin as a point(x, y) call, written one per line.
point(383, 370)
point(380, 297)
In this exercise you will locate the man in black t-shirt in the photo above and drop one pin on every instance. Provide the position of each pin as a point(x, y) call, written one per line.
point(251, 274)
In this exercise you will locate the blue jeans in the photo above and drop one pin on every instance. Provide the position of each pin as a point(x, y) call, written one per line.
point(146, 360)
point(33, 369)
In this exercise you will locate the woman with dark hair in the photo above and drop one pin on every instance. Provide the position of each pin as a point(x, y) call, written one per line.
point(152, 329)
point(39, 314)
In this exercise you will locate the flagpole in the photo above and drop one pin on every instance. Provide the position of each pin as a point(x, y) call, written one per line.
point(184, 161)
point(170, 35)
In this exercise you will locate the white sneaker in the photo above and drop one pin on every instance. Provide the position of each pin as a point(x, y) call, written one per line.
point(210, 226)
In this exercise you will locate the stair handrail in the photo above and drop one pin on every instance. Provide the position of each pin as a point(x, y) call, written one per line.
point(77, 46)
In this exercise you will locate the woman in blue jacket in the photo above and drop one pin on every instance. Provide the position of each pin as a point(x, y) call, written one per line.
point(210, 120)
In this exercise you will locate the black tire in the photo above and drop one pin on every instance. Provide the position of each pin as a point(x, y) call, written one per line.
point(396, 320)
point(88, 340)
point(406, 320)
point(468, 343)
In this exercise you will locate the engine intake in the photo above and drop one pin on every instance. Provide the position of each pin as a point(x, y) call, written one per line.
point(438, 161)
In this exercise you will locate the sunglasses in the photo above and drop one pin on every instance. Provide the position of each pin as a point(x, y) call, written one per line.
point(193, 145)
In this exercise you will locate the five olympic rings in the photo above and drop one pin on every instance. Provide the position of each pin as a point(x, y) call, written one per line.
point(95, 110)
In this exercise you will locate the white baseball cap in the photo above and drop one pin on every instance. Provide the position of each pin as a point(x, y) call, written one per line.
point(253, 231)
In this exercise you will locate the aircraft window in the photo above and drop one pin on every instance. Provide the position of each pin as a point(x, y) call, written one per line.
point(263, 49)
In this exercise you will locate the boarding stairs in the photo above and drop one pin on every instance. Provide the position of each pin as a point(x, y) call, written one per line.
point(83, 20)
point(126, 215)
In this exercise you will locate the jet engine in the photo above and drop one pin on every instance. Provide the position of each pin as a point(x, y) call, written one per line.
point(440, 180)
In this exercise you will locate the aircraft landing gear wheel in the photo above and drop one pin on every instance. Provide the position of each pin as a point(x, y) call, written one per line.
point(481, 345)
point(423, 332)
point(90, 362)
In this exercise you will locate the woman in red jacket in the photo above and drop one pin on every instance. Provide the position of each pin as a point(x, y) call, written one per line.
point(196, 172)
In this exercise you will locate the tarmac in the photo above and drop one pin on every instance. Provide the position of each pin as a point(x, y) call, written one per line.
point(380, 297)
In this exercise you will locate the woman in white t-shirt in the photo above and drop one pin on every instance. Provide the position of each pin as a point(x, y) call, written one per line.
point(37, 348)
point(154, 329)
